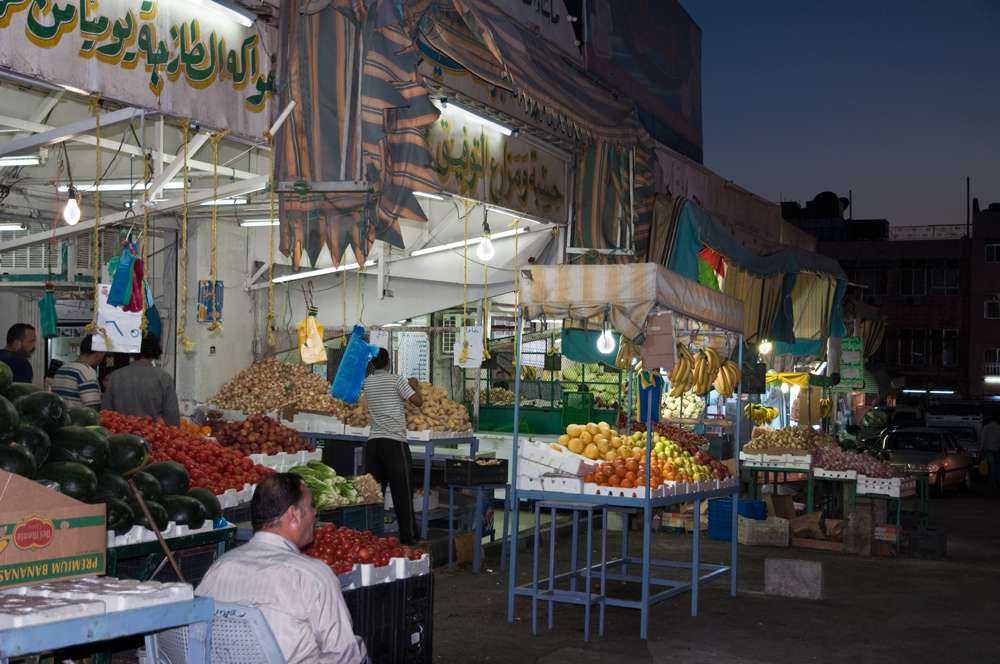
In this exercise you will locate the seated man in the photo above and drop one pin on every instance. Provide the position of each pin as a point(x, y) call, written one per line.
point(299, 596)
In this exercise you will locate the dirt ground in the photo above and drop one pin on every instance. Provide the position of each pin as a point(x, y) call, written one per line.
point(876, 609)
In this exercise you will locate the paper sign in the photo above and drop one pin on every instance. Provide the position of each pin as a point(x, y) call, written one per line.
point(851, 362)
point(122, 327)
point(205, 301)
point(474, 337)
point(379, 338)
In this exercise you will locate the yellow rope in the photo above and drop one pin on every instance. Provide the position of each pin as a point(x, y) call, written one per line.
point(464, 355)
point(185, 342)
point(270, 269)
point(517, 278)
point(216, 325)
point(343, 337)
point(486, 307)
point(147, 173)
point(92, 326)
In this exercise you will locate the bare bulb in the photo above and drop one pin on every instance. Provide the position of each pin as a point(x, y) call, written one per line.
point(784, 388)
point(485, 249)
point(606, 343)
point(765, 348)
point(71, 213)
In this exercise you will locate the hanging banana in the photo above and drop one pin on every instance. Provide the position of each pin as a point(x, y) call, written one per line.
point(628, 351)
point(728, 378)
point(825, 408)
point(528, 372)
point(682, 376)
point(760, 415)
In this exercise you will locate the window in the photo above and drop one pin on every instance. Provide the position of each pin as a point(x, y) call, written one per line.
point(944, 281)
point(991, 308)
point(913, 281)
point(991, 362)
point(992, 250)
point(912, 348)
point(873, 275)
point(944, 347)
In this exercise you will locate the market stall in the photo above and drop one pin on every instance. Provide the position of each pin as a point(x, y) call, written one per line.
point(624, 296)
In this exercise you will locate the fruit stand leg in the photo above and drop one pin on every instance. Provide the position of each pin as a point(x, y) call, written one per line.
point(625, 527)
point(809, 490)
point(695, 567)
point(477, 546)
point(451, 524)
point(646, 551)
point(572, 555)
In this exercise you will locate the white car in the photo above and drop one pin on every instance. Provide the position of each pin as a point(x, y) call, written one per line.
point(931, 451)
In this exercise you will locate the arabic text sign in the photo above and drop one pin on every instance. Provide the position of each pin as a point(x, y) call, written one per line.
point(121, 327)
point(483, 164)
point(172, 57)
point(851, 362)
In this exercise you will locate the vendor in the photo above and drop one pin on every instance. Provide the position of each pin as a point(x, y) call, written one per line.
point(142, 389)
point(299, 596)
point(387, 455)
point(21, 339)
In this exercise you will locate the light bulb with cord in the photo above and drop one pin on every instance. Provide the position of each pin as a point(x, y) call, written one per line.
point(765, 347)
point(606, 342)
point(71, 212)
point(485, 248)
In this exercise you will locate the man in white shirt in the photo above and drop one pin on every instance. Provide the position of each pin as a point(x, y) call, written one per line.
point(991, 446)
point(299, 596)
point(76, 382)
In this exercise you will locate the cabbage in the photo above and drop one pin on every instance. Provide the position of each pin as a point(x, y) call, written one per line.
point(327, 487)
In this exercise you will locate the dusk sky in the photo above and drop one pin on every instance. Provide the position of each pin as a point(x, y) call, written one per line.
point(897, 101)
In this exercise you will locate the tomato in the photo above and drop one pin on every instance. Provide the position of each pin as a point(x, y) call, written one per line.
point(393, 542)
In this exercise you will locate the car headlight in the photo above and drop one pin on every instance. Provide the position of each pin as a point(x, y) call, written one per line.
point(932, 467)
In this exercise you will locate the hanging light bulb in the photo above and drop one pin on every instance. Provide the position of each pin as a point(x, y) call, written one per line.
point(765, 347)
point(71, 213)
point(485, 248)
point(784, 388)
point(606, 342)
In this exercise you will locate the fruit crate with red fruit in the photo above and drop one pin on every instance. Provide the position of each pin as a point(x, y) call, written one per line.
point(369, 517)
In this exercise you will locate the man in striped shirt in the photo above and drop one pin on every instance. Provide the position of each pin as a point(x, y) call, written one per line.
point(76, 382)
point(387, 456)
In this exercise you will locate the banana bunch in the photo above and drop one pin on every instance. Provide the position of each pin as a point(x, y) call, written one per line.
point(727, 379)
point(627, 352)
point(825, 408)
point(758, 414)
point(682, 376)
point(528, 372)
point(707, 363)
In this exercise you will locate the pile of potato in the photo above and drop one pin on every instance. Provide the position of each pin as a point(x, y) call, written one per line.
point(797, 438)
point(269, 385)
point(439, 413)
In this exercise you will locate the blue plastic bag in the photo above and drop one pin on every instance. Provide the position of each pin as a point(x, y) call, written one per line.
point(649, 384)
point(121, 280)
point(353, 366)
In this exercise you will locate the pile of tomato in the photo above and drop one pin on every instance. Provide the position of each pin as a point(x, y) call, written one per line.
point(210, 465)
point(342, 547)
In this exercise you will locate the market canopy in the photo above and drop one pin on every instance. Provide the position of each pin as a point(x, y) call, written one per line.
point(626, 294)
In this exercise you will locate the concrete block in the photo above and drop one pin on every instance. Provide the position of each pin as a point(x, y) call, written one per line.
point(802, 579)
point(859, 533)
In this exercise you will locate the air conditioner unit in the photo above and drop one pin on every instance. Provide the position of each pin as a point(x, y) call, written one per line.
point(37, 259)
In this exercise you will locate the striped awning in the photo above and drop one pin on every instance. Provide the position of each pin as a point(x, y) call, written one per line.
point(626, 294)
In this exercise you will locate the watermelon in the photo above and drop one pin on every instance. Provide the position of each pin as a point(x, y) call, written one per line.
point(148, 486)
point(118, 515)
point(84, 417)
point(43, 409)
point(128, 453)
point(17, 459)
point(75, 479)
point(211, 502)
point(185, 511)
point(174, 478)
point(18, 390)
point(6, 377)
point(79, 444)
point(110, 485)
point(101, 430)
point(33, 438)
point(9, 419)
point(155, 510)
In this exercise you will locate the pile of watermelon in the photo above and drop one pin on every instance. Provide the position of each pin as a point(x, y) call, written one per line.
point(68, 450)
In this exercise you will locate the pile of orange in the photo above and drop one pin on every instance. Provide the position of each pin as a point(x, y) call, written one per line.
point(626, 473)
point(195, 428)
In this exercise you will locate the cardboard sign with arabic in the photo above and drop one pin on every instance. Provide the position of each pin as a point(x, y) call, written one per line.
point(172, 57)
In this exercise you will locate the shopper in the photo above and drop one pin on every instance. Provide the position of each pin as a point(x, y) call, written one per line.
point(21, 339)
point(299, 596)
point(991, 445)
point(386, 455)
point(76, 382)
point(142, 389)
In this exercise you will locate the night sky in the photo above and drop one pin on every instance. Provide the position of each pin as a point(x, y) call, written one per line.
point(897, 101)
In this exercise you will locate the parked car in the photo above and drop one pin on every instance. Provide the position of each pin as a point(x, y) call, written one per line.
point(875, 442)
point(877, 419)
point(931, 451)
point(968, 431)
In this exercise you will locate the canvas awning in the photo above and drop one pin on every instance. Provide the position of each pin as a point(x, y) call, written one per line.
point(625, 293)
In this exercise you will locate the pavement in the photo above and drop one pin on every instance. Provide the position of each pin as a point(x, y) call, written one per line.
point(876, 609)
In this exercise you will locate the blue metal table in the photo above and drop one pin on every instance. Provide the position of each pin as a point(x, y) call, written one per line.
point(197, 614)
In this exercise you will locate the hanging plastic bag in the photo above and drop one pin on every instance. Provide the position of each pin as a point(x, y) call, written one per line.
point(650, 385)
point(47, 314)
point(154, 325)
point(135, 300)
point(121, 280)
point(351, 372)
point(311, 348)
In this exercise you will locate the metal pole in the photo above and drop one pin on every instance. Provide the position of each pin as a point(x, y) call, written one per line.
point(647, 521)
point(515, 503)
point(968, 210)
point(736, 462)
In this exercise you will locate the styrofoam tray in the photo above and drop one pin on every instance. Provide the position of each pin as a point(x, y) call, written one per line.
point(356, 431)
point(563, 484)
point(23, 610)
point(835, 474)
point(232, 497)
point(140, 534)
point(404, 568)
point(350, 580)
point(284, 460)
point(371, 575)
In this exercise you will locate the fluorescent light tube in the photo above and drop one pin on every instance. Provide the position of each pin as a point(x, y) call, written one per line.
point(259, 222)
point(461, 111)
point(819, 369)
point(914, 391)
point(320, 272)
point(471, 241)
point(119, 186)
point(11, 226)
point(425, 194)
point(941, 392)
point(514, 215)
point(26, 160)
point(993, 379)
point(228, 10)
point(227, 201)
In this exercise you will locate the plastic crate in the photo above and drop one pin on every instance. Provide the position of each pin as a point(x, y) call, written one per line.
point(578, 407)
point(928, 543)
point(357, 517)
point(772, 531)
point(415, 638)
point(194, 564)
point(237, 514)
point(466, 472)
point(720, 516)
point(395, 620)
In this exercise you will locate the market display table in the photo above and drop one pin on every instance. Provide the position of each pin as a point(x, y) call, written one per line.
point(767, 470)
point(477, 544)
point(196, 614)
point(145, 558)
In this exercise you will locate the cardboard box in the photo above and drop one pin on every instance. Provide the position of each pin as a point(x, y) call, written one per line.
point(823, 545)
point(658, 348)
point(782, 507)
point(45, 536)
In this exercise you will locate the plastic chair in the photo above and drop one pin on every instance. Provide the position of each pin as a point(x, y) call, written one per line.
point(240, 635)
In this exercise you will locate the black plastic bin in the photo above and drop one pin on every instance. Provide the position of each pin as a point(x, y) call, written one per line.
point(466, 472)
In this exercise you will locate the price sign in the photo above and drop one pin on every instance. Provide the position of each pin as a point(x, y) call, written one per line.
point(121, 327)
point(754, 378)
